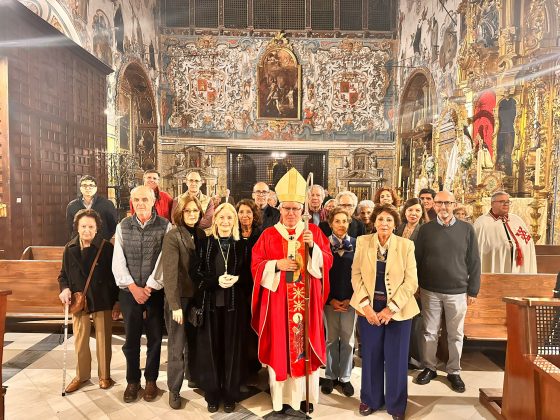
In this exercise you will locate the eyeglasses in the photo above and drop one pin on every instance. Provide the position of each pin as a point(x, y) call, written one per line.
point(194, 181)
point(292, 209)
point(88, 185)
point(444, 203)
point(260, 192)
point(503, 202)
point(191, 211)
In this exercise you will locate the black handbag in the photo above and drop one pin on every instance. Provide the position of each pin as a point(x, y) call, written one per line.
point(196, 314)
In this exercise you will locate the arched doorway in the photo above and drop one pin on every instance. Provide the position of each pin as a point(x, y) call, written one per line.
point(136, 130)
point(415, 128)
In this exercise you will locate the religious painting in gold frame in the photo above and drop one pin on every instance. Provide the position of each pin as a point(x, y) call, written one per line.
point(279, 82)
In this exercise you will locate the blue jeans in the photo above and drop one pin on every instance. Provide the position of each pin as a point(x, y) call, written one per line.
point(340, 343)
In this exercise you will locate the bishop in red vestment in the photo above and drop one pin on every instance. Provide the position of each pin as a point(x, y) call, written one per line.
point(278, 305)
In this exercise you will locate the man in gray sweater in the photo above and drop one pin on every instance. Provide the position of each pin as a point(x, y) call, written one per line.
point(449, 279)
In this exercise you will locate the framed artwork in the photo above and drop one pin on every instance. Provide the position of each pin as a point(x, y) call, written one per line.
point(279, 82)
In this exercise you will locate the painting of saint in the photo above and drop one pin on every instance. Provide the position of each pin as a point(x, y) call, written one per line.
point(279, 85)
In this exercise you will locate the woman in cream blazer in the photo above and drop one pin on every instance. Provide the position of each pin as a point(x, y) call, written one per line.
point(384, 281)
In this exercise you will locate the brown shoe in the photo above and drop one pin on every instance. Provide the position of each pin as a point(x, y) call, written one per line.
point(106, 383)
point(151, 391)
point(74, 385)
point(131, 392)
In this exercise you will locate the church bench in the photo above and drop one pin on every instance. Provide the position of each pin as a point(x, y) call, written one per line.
point(548, 264)
point(34, 287)
point(547, 249)
point(486, 319)
point(43, 253)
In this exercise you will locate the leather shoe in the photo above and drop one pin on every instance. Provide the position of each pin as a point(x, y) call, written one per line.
point(397, 417)
point(302, 407)
point(174, 400)
point(212, 408)
point(425, 376)
point(347, 389)
point(456, 382)
point(106, 383)
point(131, 392)
point(151, 391)
point(229, 407)
point(327, 386)
point(365, 410)
point(74, 385)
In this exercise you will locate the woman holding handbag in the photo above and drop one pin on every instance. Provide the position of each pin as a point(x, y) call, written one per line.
point(88, 286)
point(180, 259)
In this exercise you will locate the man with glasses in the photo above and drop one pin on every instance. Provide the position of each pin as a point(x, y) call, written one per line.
point(270, 215)
point(504, 241)
point(164, 202)
point(278, 305)
point(426, 196)
point(194, 181)
point(90, 200)
point(348, 201)
point(448, 265)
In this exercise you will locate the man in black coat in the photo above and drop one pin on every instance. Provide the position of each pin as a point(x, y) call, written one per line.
point(270, 215)
point(90, 200)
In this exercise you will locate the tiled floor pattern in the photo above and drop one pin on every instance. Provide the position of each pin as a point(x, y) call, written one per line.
point(33, 374)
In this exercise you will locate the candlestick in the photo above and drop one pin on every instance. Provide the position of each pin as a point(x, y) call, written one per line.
point(537, 166)
point(479, 158)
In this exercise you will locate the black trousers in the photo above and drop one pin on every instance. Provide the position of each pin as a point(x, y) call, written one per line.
point(133, 314)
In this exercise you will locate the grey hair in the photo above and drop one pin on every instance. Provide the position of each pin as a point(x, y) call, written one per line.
point(139, 187)
point(349, 194)
point(498, 194)
point(365, 203)
point(317, 186)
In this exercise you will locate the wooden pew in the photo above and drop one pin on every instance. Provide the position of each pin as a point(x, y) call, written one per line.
point(486, 319)
point(34, 287)
point(43, 253)
point(547, 249)
point(548, 264)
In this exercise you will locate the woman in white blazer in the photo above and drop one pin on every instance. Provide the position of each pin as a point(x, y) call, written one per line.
point(384, 281)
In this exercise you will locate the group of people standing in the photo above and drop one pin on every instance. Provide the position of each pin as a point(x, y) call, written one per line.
point(228, 283)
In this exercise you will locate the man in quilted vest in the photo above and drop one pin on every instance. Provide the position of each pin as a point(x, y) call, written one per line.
point(138, 273)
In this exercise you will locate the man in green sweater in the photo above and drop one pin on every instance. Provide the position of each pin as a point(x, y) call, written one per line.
point(449, 278)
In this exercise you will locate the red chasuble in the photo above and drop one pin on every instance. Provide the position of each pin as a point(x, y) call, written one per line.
point(277, 317)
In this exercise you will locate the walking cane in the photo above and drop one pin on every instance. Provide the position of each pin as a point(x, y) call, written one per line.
point(306, 216)
point(65, 350)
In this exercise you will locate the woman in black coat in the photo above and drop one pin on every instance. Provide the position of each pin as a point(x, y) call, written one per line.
point(101, 297)
point(220, 364)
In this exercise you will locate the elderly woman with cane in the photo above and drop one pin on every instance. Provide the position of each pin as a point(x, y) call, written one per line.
point(384, 281)
point(86, 272)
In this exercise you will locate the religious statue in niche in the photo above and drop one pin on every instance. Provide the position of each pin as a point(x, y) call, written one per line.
point(506, 135)
point(279, 82)
point(483, 130)
point(488, 26)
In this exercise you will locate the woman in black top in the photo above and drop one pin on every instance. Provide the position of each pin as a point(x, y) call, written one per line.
point(249, 221)
point(219, 356)
point(102, 294)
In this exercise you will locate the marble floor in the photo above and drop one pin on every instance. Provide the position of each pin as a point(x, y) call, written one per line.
point(33, 364)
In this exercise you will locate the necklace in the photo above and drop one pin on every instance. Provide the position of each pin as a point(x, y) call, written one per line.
point(225, 257)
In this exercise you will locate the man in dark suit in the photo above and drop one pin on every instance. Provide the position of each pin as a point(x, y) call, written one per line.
point(348, 201)
point(270, 215)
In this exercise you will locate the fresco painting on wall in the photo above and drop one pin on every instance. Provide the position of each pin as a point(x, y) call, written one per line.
point(279, 85)
point(102, 38)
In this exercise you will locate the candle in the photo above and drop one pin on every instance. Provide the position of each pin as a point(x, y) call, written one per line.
point(479, 158)
point(399, 178)
point(537, 166)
